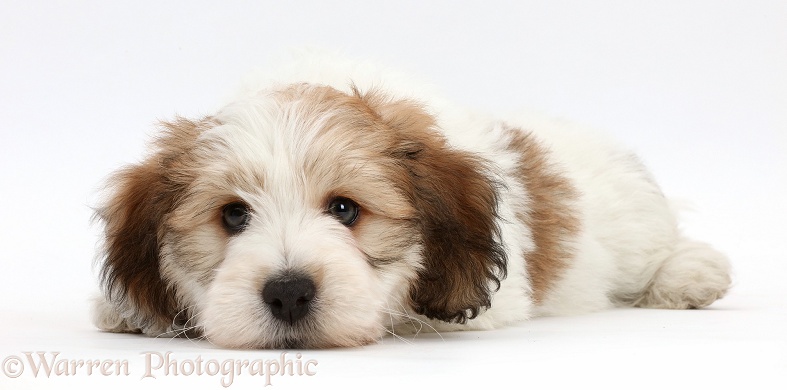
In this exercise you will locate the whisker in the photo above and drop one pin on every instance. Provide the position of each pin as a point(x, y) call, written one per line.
point(411, 319)
point(182, 330)
point(400, 338)
point(416, 323)
point(420, 322)
point(390, 316)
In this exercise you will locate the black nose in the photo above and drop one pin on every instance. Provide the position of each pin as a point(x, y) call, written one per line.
point(289, 298)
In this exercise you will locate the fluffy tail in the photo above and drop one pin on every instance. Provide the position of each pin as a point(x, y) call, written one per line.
point(693, 277)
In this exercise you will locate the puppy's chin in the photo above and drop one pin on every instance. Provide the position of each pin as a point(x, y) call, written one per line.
point(344, 307)
point(262, 337)
point(232, 321)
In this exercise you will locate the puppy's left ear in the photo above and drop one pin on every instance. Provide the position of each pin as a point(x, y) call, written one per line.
point(456, 199)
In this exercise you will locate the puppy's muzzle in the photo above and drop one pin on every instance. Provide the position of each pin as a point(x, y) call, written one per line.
point(289, 297)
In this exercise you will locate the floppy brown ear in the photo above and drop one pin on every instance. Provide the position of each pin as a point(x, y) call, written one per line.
point(134, 223)
point(456, 201)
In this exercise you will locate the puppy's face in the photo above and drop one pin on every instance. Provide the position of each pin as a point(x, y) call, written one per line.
point(299, 229)
point(304, 217)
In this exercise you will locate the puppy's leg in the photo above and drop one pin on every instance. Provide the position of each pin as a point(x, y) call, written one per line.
point(694, 276)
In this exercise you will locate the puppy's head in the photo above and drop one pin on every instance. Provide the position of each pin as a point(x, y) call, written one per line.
point(303, 217)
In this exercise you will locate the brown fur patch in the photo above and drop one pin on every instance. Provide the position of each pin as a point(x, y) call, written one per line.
point(456, 205)
point(551, 213)
point(143, 196)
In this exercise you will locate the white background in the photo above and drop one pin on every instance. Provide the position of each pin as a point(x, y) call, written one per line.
point(698, 88)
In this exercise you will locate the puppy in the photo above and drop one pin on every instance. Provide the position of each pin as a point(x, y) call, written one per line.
point(338, 202)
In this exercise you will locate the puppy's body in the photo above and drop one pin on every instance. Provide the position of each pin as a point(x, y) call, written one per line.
point(463, 221)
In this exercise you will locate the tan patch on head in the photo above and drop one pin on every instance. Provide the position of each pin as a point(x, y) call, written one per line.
point(347, 149)
point(350, 153)
point(551, 214)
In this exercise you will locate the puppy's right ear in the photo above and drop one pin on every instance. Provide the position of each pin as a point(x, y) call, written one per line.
point(134, 218)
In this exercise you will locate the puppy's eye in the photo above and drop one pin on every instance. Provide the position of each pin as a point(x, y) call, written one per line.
point(345, 210)
point(235, 216)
